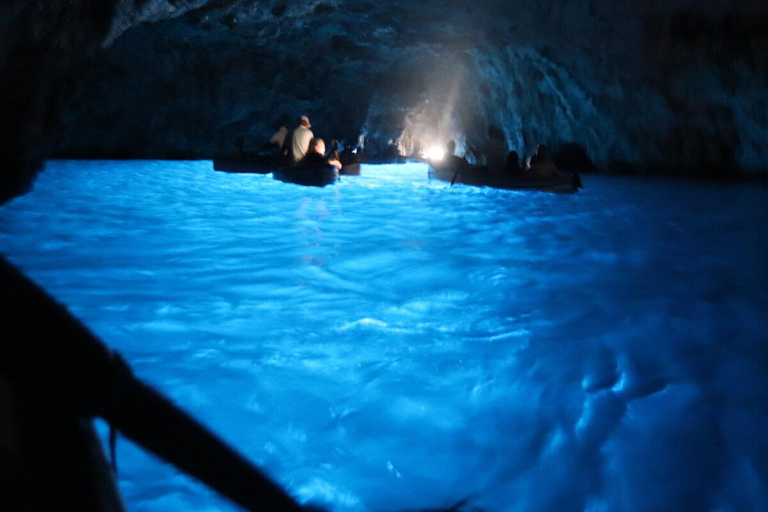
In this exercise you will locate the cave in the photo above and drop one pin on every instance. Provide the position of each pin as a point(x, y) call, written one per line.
point(640, 89)
point(673, 90)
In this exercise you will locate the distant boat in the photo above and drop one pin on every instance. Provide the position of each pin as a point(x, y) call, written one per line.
point(350, 164)
point(264, 164)
point(311, 175)
point(260, 163)
point(480, 176)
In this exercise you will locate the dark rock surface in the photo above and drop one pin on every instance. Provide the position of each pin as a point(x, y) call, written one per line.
point(679, 87)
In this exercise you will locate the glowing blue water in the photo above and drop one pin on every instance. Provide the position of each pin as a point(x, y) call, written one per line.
point(387, 343)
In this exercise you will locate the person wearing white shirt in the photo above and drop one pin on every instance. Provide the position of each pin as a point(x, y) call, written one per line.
point(300, 139)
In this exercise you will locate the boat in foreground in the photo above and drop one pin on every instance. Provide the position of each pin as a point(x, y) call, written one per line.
point(55, 377)
point(480, 176)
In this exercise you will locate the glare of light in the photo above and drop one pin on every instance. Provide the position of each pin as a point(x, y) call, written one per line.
point(435, 153)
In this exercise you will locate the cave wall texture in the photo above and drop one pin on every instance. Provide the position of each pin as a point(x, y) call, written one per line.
point(673, 86)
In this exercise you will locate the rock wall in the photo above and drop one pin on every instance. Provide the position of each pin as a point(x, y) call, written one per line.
point(676, 87)
point(44, 44)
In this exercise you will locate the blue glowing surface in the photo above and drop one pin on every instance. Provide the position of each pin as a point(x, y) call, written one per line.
point(387, 343)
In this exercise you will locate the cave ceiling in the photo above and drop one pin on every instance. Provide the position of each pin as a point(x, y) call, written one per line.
point(639, 84)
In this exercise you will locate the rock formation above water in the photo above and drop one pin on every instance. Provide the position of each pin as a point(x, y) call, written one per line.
point(678, 87)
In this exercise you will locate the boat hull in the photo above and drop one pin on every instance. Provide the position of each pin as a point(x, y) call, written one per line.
point(350, 165)
point(307, 175)
point(480, 176)
point(266, 165)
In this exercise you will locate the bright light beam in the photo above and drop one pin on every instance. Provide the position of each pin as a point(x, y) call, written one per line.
point(435, 153)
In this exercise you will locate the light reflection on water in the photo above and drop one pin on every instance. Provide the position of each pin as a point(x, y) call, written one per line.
point(389, 343)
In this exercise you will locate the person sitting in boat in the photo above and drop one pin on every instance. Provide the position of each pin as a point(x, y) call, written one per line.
point(300, 139)
point(540, 164)
point(392, 152)
point(275, 146)
point(335, 153)
point(534, 157)
point(493, 152)
point(451, 161)
point(277, 140)
point(530, 160)
point(316, 155)
point(512, 166)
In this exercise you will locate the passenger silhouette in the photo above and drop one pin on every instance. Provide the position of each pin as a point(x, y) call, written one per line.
point(316, 155)
point(453, 161)
point(512, 165)
point(540, 164)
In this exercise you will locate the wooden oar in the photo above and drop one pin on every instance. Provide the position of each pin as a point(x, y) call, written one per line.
point(63, 375)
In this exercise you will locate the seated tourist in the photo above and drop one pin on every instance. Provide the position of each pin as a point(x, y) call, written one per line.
point(276, 145)
point(316, 155)
point(452, 161)
point(512, 166)
point(277, 141)
point(334, 153)
point(493, 151)
point(392, 151)
point(540, 164)
point(300, 139)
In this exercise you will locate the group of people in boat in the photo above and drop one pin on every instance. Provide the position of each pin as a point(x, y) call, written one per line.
point(302, 148)
point(493, 153)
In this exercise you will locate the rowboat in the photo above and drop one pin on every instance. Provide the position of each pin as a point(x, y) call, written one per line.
point(480, 176)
